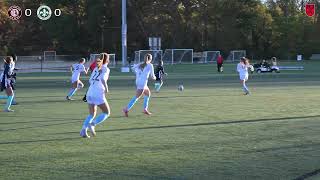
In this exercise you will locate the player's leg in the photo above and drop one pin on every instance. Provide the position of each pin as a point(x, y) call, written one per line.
point(10, 97)
point(88, 120)
point(244, 87)
point(80, 85)
point(105, 108)
point(132, 102)
point(160, 85)
point(146, 99)
point(72, 90)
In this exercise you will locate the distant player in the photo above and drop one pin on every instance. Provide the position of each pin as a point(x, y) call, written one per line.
point(159, 72)
point(242, 68)
point(76, 70)
point(143, 72)
point(7, 82)
point(96, 96)
point(13, 78)
point(92, 67)
point(220, 64)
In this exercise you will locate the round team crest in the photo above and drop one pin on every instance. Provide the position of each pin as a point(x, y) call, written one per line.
point(44, 12)
point(14, 12)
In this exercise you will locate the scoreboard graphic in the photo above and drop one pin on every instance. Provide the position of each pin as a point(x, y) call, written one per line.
point(44, 12)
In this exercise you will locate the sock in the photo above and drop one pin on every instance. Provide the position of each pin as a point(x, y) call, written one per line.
point(159, 87)
point(146, 102)
point(72, 92)
point(3, 97)
point(87, 121)
point(132, 102)
point(9, 102)
point(245, 88)
point(102, 117)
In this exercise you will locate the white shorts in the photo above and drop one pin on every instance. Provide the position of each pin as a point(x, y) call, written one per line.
point(244, 77)
point(73, 80)
point(97, 99)
point(7, 83)
point(141, 85)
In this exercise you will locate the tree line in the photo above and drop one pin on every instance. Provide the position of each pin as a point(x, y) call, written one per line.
point(270, 28)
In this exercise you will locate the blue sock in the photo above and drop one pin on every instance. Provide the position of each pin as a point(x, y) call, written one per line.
point(102, 117)
point(3, 97)
point(72, 92)
point(87, 121)
point(132, 102)
point(159, 87)
point(146, 102)
point(9, 102)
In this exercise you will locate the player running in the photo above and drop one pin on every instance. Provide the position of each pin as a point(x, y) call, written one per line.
point(159, 72)
point(7, 82)
point(96, 96)
point(76, 70)
point(242, 68)
point(143, 72)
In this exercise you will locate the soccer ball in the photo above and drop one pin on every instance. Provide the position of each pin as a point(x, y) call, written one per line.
point(180, 88)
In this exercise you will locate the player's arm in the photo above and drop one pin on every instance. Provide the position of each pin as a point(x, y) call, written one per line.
point(71, 69)
point(163, 72)
point(104, 78)
point(153, 76)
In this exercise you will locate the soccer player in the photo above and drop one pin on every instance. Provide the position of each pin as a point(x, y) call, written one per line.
point(159, 72)
point(143, 72)
point(242, 68)
point(220, 64)
point(92, 67)
point(76, 70)
point(7, 82)
point(96, 96)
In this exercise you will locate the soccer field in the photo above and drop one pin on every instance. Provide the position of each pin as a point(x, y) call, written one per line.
point(208, 131)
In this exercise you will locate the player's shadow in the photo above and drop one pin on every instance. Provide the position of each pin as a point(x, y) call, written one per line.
point(205, 124)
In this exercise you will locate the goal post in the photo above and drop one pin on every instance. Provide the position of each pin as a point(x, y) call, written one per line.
point(178, 56)
point(211, 56)
point(49, 55)
point(235, 55)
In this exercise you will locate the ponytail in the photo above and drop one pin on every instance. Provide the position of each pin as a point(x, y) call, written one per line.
point(147, 58)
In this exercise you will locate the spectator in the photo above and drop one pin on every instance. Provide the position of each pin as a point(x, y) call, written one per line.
point(220, 64)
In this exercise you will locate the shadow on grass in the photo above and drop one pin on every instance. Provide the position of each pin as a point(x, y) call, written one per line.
point(308, 175)
point(160, 127)
point(206, 124)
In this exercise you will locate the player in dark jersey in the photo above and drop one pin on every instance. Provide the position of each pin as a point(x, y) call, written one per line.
point(159, 72)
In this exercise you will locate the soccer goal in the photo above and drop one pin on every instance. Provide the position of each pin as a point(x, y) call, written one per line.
point(49, 55)
point(139, 55)
point(178, 56)
point(112, 59)
point(235, 55)
point(211, 56)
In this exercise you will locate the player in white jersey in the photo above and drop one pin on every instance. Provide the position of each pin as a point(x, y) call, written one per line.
point(143, 72)
point(7, 81)
point(242, 68)
point(96, 96)
point(76, 70)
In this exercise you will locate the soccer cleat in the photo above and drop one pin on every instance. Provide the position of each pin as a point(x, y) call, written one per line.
point(69, 99)
point(84, 133)
point(246, 93)
point(92, 129)
point(125, 111)
point(8, 110)
point(14, 103)
point(145, 111)
point(84, 99)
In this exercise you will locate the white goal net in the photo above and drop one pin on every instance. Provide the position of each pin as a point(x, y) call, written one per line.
point(49, 55)
point(211, 56)
point(178, 56)
point(235, 55)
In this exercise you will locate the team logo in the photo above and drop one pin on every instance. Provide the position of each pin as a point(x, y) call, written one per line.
point(14, 12)
point(310, 9)
point(44, 12)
